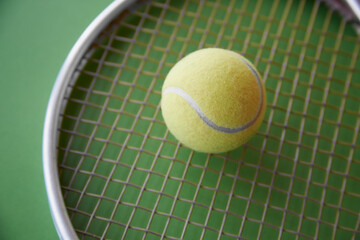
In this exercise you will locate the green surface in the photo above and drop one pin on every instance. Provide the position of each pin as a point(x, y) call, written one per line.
point(257, 180)
point(35, 38)
point(124, 174)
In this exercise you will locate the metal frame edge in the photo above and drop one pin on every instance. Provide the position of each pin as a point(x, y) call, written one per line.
point(59, 214)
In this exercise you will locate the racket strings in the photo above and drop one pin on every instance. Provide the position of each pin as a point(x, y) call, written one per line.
point(123, 174)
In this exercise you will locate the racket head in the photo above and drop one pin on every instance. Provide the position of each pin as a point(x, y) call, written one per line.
point(107, 152)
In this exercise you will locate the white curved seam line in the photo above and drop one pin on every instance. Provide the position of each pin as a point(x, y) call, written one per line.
point(203, 117)
point(261, 95)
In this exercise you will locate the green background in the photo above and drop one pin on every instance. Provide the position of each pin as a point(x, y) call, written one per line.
point(35, 38)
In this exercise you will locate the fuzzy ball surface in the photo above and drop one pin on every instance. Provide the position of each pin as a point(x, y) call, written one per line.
point(213, 100)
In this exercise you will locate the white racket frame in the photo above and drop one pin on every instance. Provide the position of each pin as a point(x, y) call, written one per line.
point(59, 214)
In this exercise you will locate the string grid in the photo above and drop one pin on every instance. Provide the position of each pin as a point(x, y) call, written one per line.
point(123, 175)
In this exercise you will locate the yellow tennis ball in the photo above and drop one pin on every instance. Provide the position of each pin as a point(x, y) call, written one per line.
point(213, 100)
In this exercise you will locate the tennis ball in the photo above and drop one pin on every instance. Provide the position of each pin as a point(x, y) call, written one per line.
point(213, 100)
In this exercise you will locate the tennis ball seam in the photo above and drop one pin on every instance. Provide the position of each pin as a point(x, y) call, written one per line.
point(180, 92)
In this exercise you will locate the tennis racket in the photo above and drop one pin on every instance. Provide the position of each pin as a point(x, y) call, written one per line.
point(114, 171)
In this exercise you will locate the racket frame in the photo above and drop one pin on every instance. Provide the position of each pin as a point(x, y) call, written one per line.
point(59, 214)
